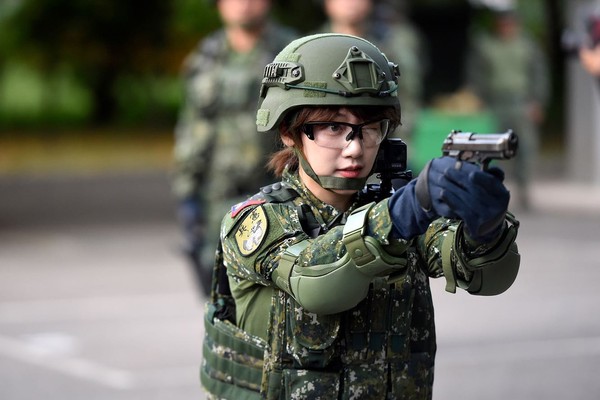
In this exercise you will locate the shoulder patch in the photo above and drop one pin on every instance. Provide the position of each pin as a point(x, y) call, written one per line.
point(235, 210)
point(252, 231)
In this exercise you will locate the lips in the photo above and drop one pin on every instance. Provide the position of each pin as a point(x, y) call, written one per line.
point(351, 172)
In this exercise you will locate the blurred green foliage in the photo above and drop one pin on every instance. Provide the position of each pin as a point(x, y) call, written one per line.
point(29, 97)
point(98, 62)
point(65, 62)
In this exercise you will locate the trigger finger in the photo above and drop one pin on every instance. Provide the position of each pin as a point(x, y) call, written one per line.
point(489, 183)
point(461, 176)
point(497, 172)
point(457, 204)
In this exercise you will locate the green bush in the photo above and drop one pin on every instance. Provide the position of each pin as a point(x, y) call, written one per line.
point(29, 97)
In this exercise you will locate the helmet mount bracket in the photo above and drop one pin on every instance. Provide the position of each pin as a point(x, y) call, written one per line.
point(359, 73)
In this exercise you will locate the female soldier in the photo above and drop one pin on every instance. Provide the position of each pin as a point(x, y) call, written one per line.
point(319, 295)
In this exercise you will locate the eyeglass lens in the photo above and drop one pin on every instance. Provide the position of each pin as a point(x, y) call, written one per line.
point(338, 135)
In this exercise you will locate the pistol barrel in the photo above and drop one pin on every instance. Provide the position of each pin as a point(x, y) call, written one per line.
point(468, 146)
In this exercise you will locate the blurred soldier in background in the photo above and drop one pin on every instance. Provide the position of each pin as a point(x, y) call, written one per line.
point(382, 23)
point(508, 71)
point(217, 157)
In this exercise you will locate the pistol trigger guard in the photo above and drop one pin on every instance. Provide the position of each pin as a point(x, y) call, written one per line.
point(485, 164)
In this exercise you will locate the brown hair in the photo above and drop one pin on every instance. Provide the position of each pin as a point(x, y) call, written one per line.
point(292, 126)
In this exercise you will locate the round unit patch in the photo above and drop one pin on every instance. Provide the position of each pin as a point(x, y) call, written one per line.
point(252, 231)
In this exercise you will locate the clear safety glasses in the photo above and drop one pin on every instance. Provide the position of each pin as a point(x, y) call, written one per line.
point(338, 135)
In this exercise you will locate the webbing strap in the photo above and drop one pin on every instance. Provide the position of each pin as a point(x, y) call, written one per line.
point(447, 262)
point(227, 338)
point(235, 373)
point(509, 236)
point(353, 236)
point(225, 390)
point(224, 372)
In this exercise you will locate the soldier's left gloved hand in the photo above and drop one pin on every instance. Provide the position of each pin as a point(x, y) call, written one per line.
point(476, 196)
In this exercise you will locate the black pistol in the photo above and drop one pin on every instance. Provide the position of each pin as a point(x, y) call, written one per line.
point(481, 148)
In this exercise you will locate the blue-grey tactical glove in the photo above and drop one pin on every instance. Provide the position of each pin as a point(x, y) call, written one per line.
point(409, 218)
point(462, 190)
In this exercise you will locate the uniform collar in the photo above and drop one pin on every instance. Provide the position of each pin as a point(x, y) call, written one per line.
point(327, 212)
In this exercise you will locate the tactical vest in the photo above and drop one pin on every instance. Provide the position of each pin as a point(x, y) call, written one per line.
point(382, 348)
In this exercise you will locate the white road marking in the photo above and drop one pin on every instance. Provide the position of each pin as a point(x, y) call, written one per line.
point(58, 351)
point(96, 308)
point(72, 366)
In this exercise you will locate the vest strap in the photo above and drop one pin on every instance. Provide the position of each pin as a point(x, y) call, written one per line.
point(353, 235)
point(447, 248)
point(233, 360)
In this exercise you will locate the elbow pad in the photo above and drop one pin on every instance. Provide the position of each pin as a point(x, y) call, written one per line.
point(341, 285)
point(495, 272)
point(367, 253)
point(321, 289)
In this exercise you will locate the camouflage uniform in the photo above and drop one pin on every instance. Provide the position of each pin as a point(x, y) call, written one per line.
point(509, 76)
point(381, 348)
point(218, 157)
point(309, 302)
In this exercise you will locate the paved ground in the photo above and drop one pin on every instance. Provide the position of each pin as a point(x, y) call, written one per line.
point(96, 302)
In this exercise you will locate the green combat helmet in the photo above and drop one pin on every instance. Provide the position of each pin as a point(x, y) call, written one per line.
point(326, 70)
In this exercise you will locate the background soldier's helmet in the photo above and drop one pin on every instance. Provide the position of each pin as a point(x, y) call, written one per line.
point(326, 70)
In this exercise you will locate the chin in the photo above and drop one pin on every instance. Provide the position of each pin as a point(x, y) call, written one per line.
point(343, 192)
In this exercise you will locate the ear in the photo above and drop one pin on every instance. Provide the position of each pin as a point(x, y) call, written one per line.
point(287, 140)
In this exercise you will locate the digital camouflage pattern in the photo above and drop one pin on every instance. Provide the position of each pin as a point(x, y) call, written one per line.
point(384, 347)
point(219, 158)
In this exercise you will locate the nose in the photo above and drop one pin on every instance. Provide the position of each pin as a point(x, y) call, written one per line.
point(354, 146)
point(355, 131)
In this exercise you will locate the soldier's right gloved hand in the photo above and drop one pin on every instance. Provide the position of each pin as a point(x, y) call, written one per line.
point(415, 205)
point(462, 190)
point(452, 189)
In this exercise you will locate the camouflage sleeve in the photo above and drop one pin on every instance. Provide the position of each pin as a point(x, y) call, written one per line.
point(265, 244)
point(254, 235)
point(484, 269)
point(436, 244)
point(380, 226)
point(373, 226)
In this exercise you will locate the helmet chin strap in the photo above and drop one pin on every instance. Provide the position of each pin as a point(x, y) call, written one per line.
point(331, 182)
